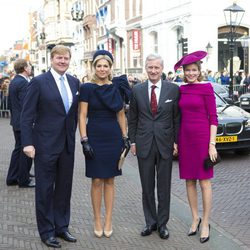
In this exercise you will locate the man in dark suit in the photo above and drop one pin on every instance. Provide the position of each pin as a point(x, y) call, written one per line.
point(153, 127)
point(20, 164)
point(48, 125)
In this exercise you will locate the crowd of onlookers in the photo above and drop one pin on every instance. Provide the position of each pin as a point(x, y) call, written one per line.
point(241, 80)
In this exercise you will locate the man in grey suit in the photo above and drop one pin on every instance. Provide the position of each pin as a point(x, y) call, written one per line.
point(153, 129)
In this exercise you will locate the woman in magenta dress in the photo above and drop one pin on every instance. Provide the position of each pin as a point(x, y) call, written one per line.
point(197, 137)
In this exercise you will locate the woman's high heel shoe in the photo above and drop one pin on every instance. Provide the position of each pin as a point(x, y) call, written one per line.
point(98, 234)
point(205, 239)
point(108, 233)
point(190, 233)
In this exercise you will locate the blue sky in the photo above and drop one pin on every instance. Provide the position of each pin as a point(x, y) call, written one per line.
point(14, 20)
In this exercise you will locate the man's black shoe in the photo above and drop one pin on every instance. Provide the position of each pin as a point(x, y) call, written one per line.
point(147, 230)
point(163, 232)
point(66, 236)
point(51, 242)
point(30, 184)
point(12, 183)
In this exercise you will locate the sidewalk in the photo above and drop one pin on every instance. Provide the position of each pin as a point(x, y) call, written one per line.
point(18, 224)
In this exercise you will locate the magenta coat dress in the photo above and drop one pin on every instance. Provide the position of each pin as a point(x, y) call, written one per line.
point(198, 112)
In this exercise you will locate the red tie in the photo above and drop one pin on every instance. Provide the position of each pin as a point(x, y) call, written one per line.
point(153, 103)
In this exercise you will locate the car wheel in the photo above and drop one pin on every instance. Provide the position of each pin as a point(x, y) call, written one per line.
point(242, 151)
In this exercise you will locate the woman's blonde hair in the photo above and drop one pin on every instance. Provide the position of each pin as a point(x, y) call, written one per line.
point(94, 77)
point(198, 63)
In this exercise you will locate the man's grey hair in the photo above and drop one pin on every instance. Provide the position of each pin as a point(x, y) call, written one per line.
point(152, 57)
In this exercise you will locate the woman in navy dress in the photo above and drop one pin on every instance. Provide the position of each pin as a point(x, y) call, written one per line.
point(103, 134)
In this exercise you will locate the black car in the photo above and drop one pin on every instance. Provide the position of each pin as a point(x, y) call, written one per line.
point(233, 131)
point(223, 91)
point(245, 101)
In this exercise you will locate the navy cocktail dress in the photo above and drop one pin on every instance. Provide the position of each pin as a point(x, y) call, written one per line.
point(103, 130)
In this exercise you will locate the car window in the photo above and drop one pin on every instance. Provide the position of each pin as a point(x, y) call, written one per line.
point(219, 101)
point(219, 89)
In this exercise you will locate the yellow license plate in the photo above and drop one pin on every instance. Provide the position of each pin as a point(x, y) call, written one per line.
point(224, 139)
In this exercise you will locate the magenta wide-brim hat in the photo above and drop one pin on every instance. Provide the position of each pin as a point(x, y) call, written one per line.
point(190, 58)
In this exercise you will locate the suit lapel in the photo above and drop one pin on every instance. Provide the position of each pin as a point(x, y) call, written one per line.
point(54, 89)
point(146, 96)
point(164, 90)
point(73, 91)
point(71, 85)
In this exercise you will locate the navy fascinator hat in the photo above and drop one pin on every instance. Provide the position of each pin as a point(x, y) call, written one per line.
point(103, 52)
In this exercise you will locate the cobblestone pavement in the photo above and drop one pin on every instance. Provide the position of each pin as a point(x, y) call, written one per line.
point(230, 223)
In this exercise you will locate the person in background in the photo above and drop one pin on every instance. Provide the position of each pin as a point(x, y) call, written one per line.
point(240, 81)
point(48, 125)
point(224, 78)
point(217, 76)
point(197, 139)
point(210, 77)
point(132, 81)
point(153, 128)
point(163, 76)
point(170, 76)
point(103, 132)
point(20, 164)
point(247, 81)
point(4, 104)
point(238, 77)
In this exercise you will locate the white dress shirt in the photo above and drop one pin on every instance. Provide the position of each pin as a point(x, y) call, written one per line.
point(58, 83)
point(157, 90)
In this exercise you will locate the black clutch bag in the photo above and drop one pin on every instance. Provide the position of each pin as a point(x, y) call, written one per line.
point(209, 164)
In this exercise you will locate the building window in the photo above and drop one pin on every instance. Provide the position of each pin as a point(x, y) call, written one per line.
point(137, 7)
point(153, 36)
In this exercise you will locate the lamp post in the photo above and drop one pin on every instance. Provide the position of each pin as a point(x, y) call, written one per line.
point(245, 43)
point(43, 49)
point(77, 12)
point(209, 48)
point(233, 16)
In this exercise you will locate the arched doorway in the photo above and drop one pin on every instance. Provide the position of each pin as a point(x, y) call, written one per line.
point(240, 53)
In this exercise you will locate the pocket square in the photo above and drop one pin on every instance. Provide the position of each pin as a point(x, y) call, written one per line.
point(168, 100)
point(77, 93)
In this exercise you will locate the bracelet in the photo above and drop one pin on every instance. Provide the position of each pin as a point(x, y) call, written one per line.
point(84, 139)
point(124, 137)
point(213, 143)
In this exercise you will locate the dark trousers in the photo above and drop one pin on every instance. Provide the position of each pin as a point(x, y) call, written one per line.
point(20, 164)
point(54, 174)
point(152, 168)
